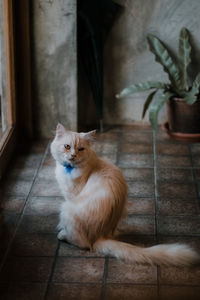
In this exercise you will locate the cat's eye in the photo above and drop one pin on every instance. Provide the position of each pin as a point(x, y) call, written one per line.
point(81, 149)
point(67, 147)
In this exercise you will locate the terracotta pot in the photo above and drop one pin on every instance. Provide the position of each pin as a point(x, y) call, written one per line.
point(183, 117)
point(184, 137)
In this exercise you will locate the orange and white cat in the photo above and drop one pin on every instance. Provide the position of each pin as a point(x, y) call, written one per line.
point(95, 195)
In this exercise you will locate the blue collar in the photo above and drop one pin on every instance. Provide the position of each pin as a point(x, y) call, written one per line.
point(68, 168)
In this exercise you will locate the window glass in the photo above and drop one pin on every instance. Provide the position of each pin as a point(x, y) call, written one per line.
point(3, 114)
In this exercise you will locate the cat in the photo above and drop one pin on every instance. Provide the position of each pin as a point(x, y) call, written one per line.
point(95, 194)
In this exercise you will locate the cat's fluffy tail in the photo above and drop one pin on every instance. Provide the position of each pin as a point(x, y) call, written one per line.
point(164, 254)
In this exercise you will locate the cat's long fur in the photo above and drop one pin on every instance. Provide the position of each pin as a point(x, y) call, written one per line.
point(95, 195)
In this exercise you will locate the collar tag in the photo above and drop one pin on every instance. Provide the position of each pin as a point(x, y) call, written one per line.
point(69, 168)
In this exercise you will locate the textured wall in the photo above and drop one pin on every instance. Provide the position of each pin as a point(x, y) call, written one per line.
point(127, 58)
point(54, 65)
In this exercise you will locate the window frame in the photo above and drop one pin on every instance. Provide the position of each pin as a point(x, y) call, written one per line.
point(8, 140)
point(17, 31)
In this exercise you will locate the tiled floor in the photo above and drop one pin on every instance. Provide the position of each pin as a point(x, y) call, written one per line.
point(164, 206)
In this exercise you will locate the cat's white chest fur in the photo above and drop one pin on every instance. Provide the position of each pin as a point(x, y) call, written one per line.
point(66, 180)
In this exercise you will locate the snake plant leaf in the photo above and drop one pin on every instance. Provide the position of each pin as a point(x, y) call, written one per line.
point(142, 87)
point(163, 57)
point(191, 96)
point(155, 108)
point(184, 57)
point(148, 102)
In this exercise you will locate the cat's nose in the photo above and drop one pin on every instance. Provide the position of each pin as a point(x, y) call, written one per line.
point(73, 155)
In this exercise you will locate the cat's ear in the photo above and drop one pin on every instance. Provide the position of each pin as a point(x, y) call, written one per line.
point(89, 136)
point(60, 130)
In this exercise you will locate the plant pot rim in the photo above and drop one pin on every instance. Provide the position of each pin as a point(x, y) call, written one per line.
point(177, 99)
point(184, 137)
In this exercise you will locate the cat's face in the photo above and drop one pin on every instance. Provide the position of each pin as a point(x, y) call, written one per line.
point(71, 147)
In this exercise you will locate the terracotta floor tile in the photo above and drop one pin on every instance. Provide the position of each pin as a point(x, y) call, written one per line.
point(169, 206)
point(9, 221)
point(49, 160)
point(34, 244)
point(120, 272)
point(22, 291)
point(135, 160)
point(141, 189)
point(173, 161)
point(26, 269)
point(195, 149)
point(192, 241)
point(196, 161)
point(176, 190)
point(174, 175)
point(83, 270)
point(143, 128)
point(138, 240)
point(179, 292)
point(5, 242)
point(197, 178)
point(67, 249)
point(136, 148)
point(47, 173)
point(140, 206)
point(137, 137)
point(179, 276)
point(138, 174)
point(23, 173)
point(130, 292)
point(43, 206)
point(111, 157)
point(197, 174)
point(40, 224)
point(71, 291)
point(7, 229)
point(173, 149)
point(31, 160)
point(107, 135)
point(78, 274)
point(182, 225)
point(16, 188)
point(46, 188)
point(39, 146)
point(105, 147)
point(13, 204)
point(135, 224)
point(162, 137)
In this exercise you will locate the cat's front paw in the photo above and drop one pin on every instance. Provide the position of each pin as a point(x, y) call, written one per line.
point(62, 235)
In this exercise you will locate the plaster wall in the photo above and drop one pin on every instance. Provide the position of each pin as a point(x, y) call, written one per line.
point(54, 65)
point(128, 59)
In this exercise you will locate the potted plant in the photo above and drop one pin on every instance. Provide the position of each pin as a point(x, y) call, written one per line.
point(181, 93)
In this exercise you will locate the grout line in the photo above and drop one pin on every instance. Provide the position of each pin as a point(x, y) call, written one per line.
point(52, 271)
point(60, 256)
point(118, 150)
point(155, 181)
point(196, 183)
point(22, 213)
point(158, 281)
point(104, 279)
point(144, 166)
point(156, 201)
point(94, 283)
